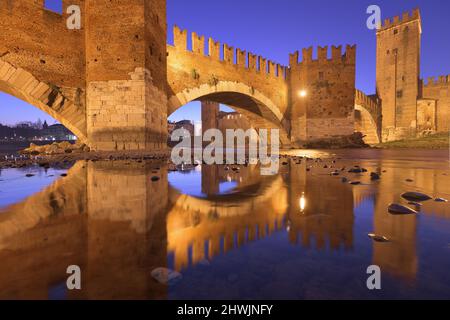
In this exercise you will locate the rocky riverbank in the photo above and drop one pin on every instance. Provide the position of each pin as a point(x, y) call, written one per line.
point(55, 148)
point(65, 152)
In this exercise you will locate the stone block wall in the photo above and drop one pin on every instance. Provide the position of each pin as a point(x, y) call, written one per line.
point(126, 114)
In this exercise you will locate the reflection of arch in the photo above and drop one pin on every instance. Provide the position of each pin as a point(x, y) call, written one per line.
point(259, 109)
point(232, 204)
point(231, 219)
point(23, 85)
point(64, 195)
point(365, 124)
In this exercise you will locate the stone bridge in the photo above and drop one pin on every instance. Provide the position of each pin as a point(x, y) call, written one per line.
point(114, 84)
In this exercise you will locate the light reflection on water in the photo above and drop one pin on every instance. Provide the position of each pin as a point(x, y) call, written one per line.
point(231, 234)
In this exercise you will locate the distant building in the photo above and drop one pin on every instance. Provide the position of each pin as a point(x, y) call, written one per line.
point(171, 125)
point(57, 132)
point(183, 124)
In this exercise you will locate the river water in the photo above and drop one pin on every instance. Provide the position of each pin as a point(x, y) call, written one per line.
point(300, 234)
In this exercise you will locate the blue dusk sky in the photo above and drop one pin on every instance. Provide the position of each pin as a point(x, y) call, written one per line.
point(275, 28)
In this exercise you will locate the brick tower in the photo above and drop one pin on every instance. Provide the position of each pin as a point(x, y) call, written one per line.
point(398, 74)
point(322, 94)
point(210, 115)
point(126, 68)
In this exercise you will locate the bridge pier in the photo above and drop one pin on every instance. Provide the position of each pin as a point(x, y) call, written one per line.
point(126, 68)
point(126, 114)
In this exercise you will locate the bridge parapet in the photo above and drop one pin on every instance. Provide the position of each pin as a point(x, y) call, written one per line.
point(372, 104)
point(322, 55)
point(373, 107)
point(441, 81)
point(231, 55)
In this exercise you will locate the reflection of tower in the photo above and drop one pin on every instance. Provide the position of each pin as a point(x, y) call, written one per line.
point(399, 257)
point(210, 115)
point(320, 210)
point(126, 231)
point(210, 180)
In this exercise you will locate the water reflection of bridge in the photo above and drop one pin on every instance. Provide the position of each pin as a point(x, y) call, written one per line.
point(115, 223)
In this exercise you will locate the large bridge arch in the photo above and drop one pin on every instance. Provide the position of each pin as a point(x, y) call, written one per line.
point(261, 111)
point(24, 86)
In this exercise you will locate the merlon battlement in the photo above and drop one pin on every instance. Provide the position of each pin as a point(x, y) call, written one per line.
point(226, 53)
point(322, 55)
point(397, 20)
point(442, 80)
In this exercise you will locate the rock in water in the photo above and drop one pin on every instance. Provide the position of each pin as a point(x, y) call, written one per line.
point(396, 208)
point(29, 175)
point(378, 238)
point(166, 276)
point(204, 263)
point(416, 204)
point(374, 176)
point(415, 196)
point(440, 200)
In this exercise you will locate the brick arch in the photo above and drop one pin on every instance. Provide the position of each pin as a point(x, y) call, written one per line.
point(365, 123)
point(368, 116)
point(24, 86)
point(260, 110)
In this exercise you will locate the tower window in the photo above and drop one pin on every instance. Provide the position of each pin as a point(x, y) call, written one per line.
point(399, 93)
point(320, 75)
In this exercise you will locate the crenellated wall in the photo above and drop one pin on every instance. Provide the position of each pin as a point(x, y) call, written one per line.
point(397, 21)
point(322, 93)
point(196, 70)
point(434, 108)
